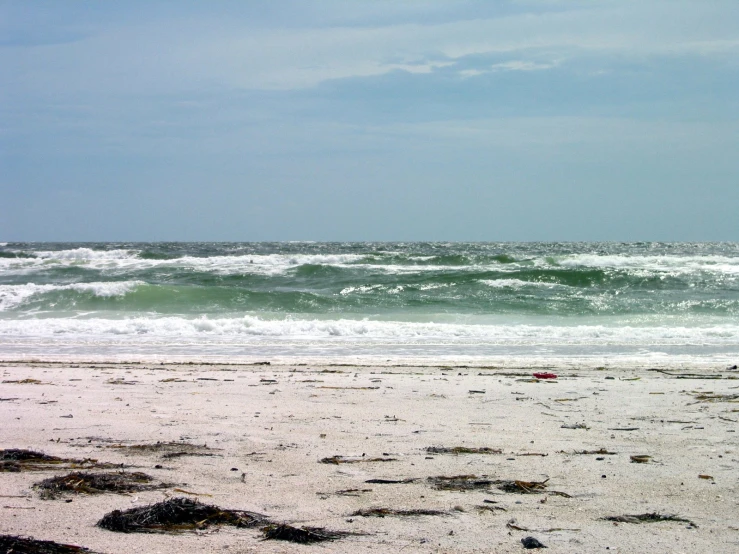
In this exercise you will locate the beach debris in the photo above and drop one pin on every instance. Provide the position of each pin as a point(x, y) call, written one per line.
point(640, 459)
point(648, 518)
point(574, 426)
point(391, 481)
point(384, 512)
point(461, 483)
point(706, 477)
point(527, 487)
point(167, 450)
point(599, 452)
point(513, 524)
point(545, 375)
point(96, 483)
point(349, 388)
point(531, 542)
point(490, 509)
point(302, 535)
point(15, 460)
point(175, 515)
point(345, 492)
point(462, 450)
point(29, 545)
point(24, 382)
point(120, 381)
point(711, 397)
point(353, 459)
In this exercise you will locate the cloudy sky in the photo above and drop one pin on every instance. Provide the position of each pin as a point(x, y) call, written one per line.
point(475, 120)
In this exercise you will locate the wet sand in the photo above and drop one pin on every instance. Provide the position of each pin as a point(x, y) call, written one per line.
point(259, 433)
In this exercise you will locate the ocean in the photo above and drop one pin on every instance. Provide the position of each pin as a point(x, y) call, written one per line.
point(499, 304)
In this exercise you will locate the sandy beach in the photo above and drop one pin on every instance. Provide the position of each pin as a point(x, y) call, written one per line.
point(545, 458)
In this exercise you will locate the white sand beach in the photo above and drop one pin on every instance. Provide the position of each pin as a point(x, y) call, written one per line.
point(260, 432)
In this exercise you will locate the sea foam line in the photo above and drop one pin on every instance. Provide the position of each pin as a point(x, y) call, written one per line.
point(12, 296)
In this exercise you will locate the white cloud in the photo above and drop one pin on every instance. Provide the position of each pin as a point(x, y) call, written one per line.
point(522, 65)
point(201, 54)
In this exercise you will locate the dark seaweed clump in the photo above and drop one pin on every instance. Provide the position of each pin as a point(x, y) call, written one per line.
point(16, 460)
point(303, 535)
point(28, 545)
point(174, 515)
point(96, 483)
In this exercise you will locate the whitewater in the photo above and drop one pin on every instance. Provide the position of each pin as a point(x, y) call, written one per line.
point(503, 304)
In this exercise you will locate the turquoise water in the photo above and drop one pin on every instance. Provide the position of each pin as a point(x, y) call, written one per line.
point(498, 302)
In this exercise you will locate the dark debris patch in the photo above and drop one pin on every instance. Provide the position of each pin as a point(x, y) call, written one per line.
point(166, 449)
point(96, 483)
point(176, 515)
point(16, 460)
point(648, 518)
point(302, 535)
point(462, 450)
point(392, 481)
point(384, 512)
point(29, 545)
point(461, 483)
point(336, 460)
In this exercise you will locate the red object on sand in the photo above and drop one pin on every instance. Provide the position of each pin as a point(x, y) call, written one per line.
point(545, 375)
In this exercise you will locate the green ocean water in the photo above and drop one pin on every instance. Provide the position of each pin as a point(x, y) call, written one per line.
point(407, 300)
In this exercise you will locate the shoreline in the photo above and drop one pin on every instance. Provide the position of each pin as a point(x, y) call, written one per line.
point(275, 423)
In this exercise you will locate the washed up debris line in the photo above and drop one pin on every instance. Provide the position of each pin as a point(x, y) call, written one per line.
point(16, 460)
point(384, 512)
point(599, 452)
point(473, 482)
point(167, 450)
point(462, 450)
point(29, 545)
point(302, 535)
point(648, 518)
point(96, 483)
point(183, 514)
point(336, 460)
point(176, 515)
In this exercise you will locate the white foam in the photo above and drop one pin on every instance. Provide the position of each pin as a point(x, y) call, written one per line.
point(676, 264)
point(14, 295)
point(518, 284)
point(395, 331)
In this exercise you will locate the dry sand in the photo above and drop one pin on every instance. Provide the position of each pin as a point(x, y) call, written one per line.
point(269, 427)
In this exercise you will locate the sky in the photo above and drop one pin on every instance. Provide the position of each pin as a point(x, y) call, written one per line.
point(459, 120)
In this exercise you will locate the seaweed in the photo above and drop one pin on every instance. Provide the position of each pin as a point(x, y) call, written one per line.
point(166, 449)
point(462, 450)
point(353, 460)
point(600, 451)
point(711, 397)
point(473, 482)
point(96, 483)
point(16, 460)
point(302, 535)
point(392, 481)
point(383, 512)
point(175, 515)
point(29, 545)
point(527, 487)
point(648, 518)
point(460, 483)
